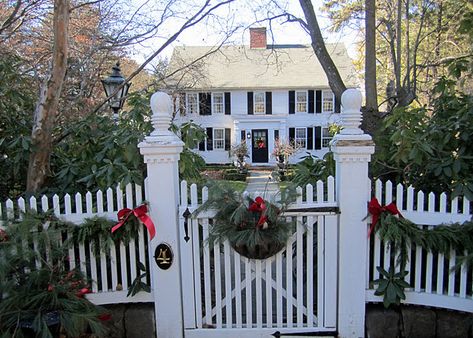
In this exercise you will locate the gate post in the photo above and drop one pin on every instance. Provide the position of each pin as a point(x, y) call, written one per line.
point(352, 150)
point(161, 151)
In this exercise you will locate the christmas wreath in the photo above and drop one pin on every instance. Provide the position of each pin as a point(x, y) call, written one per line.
point(255, 228)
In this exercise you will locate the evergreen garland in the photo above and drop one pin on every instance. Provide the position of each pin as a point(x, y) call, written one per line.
point(97, 231)
point(235, 222)
point(38, 293)
point(37, 290)
point(401, 232)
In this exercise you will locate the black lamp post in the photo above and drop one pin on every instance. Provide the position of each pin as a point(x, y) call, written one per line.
point(110, 85)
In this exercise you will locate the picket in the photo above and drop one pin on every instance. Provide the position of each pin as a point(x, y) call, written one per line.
point(241, 293)
point(431, 276)
point(102, 269)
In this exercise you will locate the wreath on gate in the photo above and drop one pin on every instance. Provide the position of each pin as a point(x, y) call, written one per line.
point(255, 228)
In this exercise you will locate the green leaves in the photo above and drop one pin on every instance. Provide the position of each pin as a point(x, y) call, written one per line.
point(39, 295)
point(391, 286)
point(312, 169)
point(430, 148)
point(138, 285)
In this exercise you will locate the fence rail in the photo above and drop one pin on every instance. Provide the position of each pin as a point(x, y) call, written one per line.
point(112, 271)
point(430, 274)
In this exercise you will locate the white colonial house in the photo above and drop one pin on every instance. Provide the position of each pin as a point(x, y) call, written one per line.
point(258, 94)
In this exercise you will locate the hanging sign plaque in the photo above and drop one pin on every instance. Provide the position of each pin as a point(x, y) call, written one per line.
point(163, 256)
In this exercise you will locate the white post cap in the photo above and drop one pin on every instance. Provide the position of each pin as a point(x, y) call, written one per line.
point(351, 114)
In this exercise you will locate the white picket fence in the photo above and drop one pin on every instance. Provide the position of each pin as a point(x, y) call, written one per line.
point(290, 292)
point(114, 270)
point(432, 281)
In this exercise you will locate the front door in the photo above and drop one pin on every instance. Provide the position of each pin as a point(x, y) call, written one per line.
point(259, 148)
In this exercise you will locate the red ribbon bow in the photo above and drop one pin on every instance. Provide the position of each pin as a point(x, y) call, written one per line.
point(140, 213)
point(259, 206)
point(375, 209)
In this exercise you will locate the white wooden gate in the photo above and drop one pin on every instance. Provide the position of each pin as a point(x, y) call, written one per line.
point(228, 295)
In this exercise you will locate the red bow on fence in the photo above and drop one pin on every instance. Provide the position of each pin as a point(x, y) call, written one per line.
point(140, 213)
point(375, 209)
point(259, 206)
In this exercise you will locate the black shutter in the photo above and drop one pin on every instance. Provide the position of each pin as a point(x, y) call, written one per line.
point(318, 138)
point(310, 138)
point(242, 136)
point(276, 135)
point(318, 101)
point(202, 145)
point(292, 134)
point(205, 102)
point(269, 103)
point(228, 103)
point(228, 140)
point(292, 102)
point(337, 105)
point(250, 103)
point(311, 102)
point(210, 143)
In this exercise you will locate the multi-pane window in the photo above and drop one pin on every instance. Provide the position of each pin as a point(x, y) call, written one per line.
point(301, 102)
point(327, 101)
point(259, 102)
point(300, 137)
point(192, 103)
point(217, 103)
point(219, 139)
point(326, 137)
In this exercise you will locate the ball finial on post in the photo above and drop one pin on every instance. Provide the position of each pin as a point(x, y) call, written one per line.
point(161, 106)
point(351, 114)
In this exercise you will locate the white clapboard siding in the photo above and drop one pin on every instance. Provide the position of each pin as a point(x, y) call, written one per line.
point(429, 273)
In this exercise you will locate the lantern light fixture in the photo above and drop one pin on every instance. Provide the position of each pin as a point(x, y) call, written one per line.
point(110, 85)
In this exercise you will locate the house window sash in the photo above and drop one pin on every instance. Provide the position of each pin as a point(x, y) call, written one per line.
point(259, 103)
point(219, 139)
point(192, 103)
point(326, 137)
point(301, 137)
point(217, 103)
point(301, 101)
point(327, 101)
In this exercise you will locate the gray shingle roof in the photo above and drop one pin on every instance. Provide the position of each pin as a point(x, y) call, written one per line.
point(239, 67)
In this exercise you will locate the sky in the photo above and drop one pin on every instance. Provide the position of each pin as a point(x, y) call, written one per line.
point(242, 15)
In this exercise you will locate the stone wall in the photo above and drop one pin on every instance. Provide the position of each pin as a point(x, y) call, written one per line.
point(136, 320)
point(132, 320)
point(411, 321)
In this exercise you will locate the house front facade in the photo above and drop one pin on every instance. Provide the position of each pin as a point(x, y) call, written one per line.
point(258, 95)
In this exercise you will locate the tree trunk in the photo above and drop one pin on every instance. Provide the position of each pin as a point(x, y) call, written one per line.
point(370, 112)
point(398, 47)
point(334, 79)
point(370, 56)
point(45, 114)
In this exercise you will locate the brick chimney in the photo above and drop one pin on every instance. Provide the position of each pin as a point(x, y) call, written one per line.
point(258, 37)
